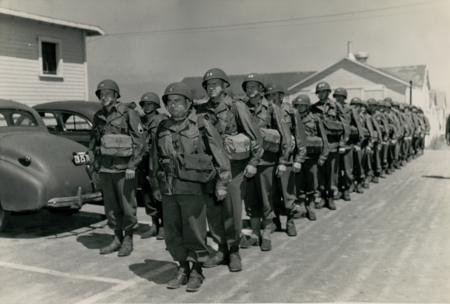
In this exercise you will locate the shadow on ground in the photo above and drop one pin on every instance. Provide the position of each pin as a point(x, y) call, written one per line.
point(41, 223)
point(159, 272)
point(436, 176)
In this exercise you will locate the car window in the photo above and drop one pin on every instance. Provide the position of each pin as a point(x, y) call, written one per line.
point(3, 122)
point(74, 122)
point(23, 120)
point(17, 118)
point(50, 120)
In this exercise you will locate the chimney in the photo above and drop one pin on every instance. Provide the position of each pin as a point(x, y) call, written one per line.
point(349, 50)
point(362, 57)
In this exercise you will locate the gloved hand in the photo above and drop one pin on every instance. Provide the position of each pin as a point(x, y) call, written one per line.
point(221, 194)
point(280, 170)
point(249, 171)
point(130, 174)
point(157, 195)
point(297, 167)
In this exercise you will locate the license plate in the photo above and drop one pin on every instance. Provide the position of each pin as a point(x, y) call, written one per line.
point(80, 158)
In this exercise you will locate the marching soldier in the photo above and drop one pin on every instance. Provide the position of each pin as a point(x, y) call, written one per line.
point(338, 132)
point(309, 178)
point(276, 144)
point(354, 142)
point(243, 143)
point(150, 103)
point(114, 126)
point(285, 186)
point(187, 162)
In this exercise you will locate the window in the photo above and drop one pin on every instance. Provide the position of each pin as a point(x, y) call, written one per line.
point(23, 120)
point(49, 120)
point(75, 123)
point(17, 118)
point(3, 122)
point(50, 57)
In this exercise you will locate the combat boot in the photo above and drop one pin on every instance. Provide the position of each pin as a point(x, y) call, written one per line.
point(330, 203)
point(375, 179)
point(253, 240)
point(127, 244)
point(219, 257)
point(266, 243)
point(298, 210)
point(153, 229)
point(195, 279)
point(359, 188)
point(320, 204)
point(115, 245)
point(309, 207)
point(352, 188)
point(382, 175)
point(290, 226)
point(337, 196)
point(347, 196)
point(366, 184)
point(235, 264)
point(181, 277)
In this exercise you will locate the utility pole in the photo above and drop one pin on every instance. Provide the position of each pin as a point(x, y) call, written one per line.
point(410, 92)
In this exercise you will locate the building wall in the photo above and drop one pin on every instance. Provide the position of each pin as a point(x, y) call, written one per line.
point(19, 65)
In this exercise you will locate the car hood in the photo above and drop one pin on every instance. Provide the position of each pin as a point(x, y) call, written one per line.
point(51, 161)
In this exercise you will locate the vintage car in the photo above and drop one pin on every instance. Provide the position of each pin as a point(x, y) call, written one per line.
point(37, 169)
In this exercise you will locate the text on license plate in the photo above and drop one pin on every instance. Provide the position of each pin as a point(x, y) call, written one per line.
point(80, 158)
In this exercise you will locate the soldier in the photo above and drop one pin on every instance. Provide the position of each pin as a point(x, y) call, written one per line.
point(409, 116)
point(243, 142)
point(397, 134)
point(114, 126)
point(338, 132)
point(285, 186)
point(309, 178)
point(379, 163)
point(427, 128)
point(391, 133)
point(419, 130)
point(276, 144)
point(187, 162)
point(150, 104)
point(354, 142)
point(401, 142)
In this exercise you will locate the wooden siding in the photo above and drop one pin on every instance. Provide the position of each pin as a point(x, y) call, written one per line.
point(19, 39)
point(20, 81)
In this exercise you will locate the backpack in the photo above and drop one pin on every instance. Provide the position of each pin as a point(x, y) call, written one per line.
point(117, 145)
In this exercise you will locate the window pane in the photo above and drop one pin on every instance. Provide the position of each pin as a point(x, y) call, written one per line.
point(3, 122)
point(75, 123)
point(49, 120)
point(49, 63)
point(23, 119)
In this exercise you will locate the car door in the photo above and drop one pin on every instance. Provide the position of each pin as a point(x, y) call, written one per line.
point(76, 127)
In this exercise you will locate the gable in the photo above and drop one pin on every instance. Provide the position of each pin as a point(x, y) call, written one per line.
point(416, 73)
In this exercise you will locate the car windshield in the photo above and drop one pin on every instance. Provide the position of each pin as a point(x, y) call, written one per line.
point(17, 118)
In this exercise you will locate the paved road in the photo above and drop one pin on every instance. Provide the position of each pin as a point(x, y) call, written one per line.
point(390, 244)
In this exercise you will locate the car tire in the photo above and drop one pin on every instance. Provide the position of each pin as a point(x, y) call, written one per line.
point(63, 211)
point(4, 218)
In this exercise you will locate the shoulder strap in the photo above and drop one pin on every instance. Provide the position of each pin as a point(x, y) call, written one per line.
point(232, 110)
point(201, 129)
point(124, 124)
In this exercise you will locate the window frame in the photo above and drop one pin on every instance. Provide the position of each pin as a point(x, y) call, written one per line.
point(59, 60)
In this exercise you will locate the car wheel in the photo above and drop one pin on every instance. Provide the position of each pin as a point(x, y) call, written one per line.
point(4, 218)
point(63, 211)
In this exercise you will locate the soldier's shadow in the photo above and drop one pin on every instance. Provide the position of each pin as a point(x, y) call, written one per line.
point(95, 240)
point(159, 272)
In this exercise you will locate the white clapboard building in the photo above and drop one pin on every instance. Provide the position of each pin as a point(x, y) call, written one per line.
point(42, 59)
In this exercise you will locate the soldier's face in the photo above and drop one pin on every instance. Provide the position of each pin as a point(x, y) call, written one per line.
point(253, 88)
point(214, 87)
point(276, 97)
point(107, 97)
point(340, 98)
point(373, 108)
point(148, 107)
point(302, 108)
point(323, 94)
point(177, 105)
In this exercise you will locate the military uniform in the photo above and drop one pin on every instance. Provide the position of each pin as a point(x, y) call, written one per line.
point(379, 163)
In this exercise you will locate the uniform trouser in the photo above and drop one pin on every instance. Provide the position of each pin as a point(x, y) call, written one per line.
point(259, 195)
point(411, 146)
point(391, 155)
point(398, 146)
point(185, 226)
point(404, 149)
point(367, 162)
point(330, 173)
point(309, 178)
point(119, 197)
point(416, 142)
point(358, 160)
point(384, 155)
point(285, 188)
point(407, 148)
point(346, 169)
point(376, 158)
point(225, 217)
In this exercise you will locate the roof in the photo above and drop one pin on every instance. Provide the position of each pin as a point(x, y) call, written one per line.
point(91, 30)
point(416, 73)
point(286, 79)
point(85, 108)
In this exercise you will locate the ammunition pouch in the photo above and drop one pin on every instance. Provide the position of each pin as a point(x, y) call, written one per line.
point(271, 140)
point(314, 145)
point(118, 145)
point(198, 168)
point(237, 146)
point(333, 128)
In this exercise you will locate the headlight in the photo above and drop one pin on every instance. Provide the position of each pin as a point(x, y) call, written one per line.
point(25, 160)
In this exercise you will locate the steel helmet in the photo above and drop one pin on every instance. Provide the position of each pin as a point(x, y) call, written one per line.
point(388, 99)
point(150, 96)
point(273, 87)
point(322, 86)
point(107, 84)
point(387, 104)
point(177, 88)
point(356, 101)
point(215, 74)
point(252, 77)
point(414, 109)
point(395, 104)
point(381, 103)
point(402, 106)
point(364, 103)
point(371, 101)
point(301, 100)
point(340, 91)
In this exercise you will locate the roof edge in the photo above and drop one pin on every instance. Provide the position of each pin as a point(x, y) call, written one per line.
point(91, 29)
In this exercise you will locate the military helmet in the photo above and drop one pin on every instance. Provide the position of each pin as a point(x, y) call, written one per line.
point(381, 103)
point(401, 106)
point(414, 109)
point(252, 77)
point(364, 103)
point(301, 100)
point(273, 87)
point(356, 101)
point(215, 74)
point(177, 88)
point(322, 86)
point(107, 84)
point(395, 103)
point(151, 97)
point(388, 99)
point(340, 91)
point(387, 104)
point(371, 101)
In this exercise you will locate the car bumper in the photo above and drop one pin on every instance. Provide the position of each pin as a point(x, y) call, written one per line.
point(75, 201)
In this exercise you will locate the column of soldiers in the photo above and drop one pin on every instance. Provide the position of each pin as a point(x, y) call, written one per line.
point(203, 167)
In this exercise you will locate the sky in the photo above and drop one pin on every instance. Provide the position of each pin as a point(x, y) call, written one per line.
point(152, 43)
